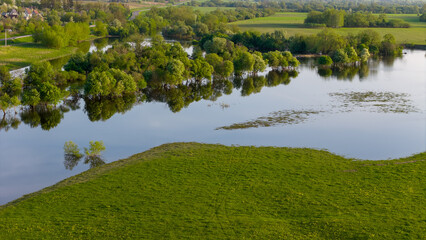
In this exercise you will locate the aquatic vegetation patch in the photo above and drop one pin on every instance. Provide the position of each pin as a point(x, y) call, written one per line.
point(344, 102)
point(285, 117)
point(382, 102)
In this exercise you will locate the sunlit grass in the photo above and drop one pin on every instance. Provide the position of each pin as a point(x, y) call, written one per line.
point(210, 9)
point(197, 191)
point(292, 23)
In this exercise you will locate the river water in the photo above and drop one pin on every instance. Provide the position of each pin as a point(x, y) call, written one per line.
point(378, 112)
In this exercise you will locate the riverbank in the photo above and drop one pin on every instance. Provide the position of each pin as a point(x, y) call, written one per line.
point(23, 52)
point(22, 55)
point(200, 191)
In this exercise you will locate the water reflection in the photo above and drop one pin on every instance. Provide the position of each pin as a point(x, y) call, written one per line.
point(345, 73)
point(176, 97)
point(102, 110)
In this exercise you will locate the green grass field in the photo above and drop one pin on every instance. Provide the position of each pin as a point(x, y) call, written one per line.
point(199, 191)
point(21, 55)
point(292, 23)
point(210, 9)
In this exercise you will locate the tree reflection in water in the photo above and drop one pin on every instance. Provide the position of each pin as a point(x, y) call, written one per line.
point(176, 97)
point(72, 155)
point(345, 73)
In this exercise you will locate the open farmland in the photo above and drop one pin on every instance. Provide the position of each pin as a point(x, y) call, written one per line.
point(292, 23)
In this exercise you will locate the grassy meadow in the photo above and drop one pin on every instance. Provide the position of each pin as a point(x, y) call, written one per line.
point(292, 23)
point(200, 191)
point(23, 52)
point(21, 55)
point(210, 9)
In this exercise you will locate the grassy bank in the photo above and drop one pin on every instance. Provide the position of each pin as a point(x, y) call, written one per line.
point(198, 191)
point(23, 54)
point(292, 23)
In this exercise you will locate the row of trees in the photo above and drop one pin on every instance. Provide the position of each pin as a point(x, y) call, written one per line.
point(57, 36)
point(185, 23)
point(339, 18)
point(324, 42)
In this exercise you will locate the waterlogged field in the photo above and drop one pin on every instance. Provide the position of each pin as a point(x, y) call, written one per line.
point(196, 191)
point(292, 23)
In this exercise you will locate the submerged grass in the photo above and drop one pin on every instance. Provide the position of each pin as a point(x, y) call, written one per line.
point(286, 117)
point(343, 102)
point(386, 102)
point(199, 191)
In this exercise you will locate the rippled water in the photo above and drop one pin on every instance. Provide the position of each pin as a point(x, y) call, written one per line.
point(358, 116)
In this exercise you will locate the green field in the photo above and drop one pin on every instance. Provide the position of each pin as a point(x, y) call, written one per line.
point(292, 23)
point(21, 55)
point(199, 191)
point(210, 9)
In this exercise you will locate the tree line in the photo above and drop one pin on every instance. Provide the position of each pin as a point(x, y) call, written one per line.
point(340, 18)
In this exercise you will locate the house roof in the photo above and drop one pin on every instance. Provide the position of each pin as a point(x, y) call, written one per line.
point(14, 12)
point(27, 11)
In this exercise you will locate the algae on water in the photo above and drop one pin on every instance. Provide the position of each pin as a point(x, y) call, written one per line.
point(285, 117)
point(379, 102)
point(382, 102)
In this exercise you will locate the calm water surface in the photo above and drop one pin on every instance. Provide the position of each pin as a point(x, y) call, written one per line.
point(32, 158)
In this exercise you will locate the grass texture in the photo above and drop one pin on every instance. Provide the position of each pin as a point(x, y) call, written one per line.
point(200, 191)
point(292, 23)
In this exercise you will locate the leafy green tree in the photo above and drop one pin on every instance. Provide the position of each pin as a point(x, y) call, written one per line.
point(340, 57)
point(325, 60)
point(364, 55)
point(389, 47)
point(259, 64)
point(7, 102)
point(4, 75)
point(100, 29)
point(72, 155)
point(50, 93)
point(9, 85)
point(79, 63)
point(201, 69)
point(99, 84)
point(292, 61)
point(328, 41)
point(273, 58)
point(126, 80)
point(95, 149)
point(93, 154)
point(225, 69)
point(174, 72)
point(352, 55)
point(39, 73)
point(31, 97)
point(216, 45)
point(13, 87)
point(243, 62)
